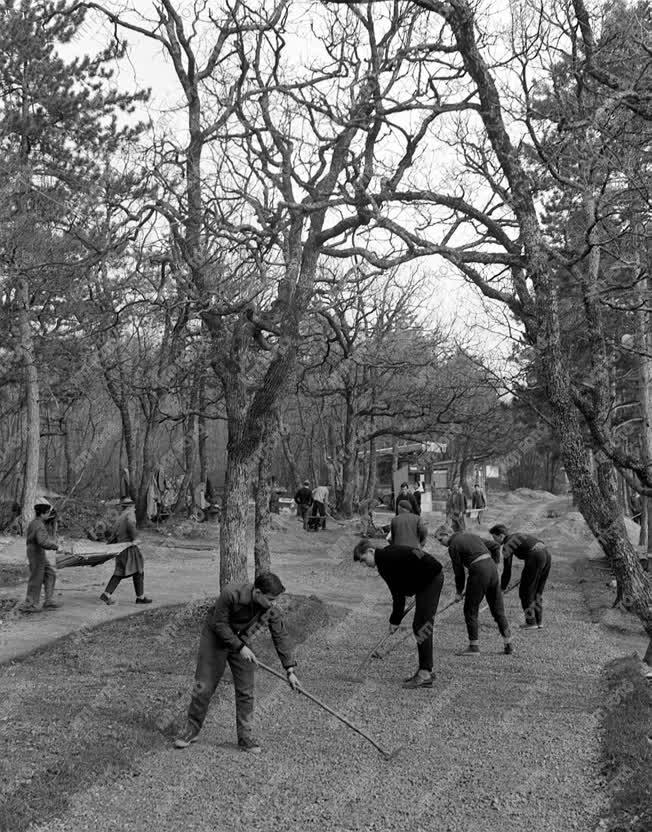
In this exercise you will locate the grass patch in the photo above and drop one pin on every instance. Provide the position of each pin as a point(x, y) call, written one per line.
point(13, 573)
point(627, 724)
point(86, 709)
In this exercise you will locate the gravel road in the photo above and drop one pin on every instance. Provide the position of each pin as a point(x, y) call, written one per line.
point(499, 743)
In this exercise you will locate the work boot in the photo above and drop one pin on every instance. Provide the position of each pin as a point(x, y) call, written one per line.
point(29, 606)
point(471, 650)
point(508, 649)
point(143, 600)
point(50, 604)
point(188, 735)
point(108, 599)
point(527, 626)
point(418, 681)
point(249, 745)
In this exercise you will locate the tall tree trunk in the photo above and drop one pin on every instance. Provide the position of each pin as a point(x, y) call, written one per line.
point(349, 461)
point(262, 558)
point(147, 468)
point(372, 473)
point(290, 457)
point(189, 430)
point(202, 443)
point(32, 406)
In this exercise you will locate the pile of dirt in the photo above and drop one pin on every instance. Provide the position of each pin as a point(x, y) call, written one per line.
point(513, 499)
point(534, 494)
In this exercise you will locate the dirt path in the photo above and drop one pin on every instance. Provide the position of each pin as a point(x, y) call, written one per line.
point(500, 743)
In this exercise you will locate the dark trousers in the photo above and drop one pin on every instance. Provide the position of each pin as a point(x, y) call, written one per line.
point(318, 515)
point(533, 580)
point(211, 663)
point(483, 582)
point(41, 574)
point(303, 509)
point(425, 610)
point(458, 522)
point(139, 583)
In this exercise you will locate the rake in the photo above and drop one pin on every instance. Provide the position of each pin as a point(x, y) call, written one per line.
point(388, 755)
point(373, 653)
point(407, 635)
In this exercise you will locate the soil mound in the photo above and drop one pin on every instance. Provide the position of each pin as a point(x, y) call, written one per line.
point(533, 494)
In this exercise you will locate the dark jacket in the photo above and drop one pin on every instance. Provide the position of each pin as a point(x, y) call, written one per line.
point(408, 530)
point(303, 497)
point(406, 571)
point(478, 500)
point(463, 549)
point(409, 498)
point(240, 611)
point(458, 503)
point(38, 539)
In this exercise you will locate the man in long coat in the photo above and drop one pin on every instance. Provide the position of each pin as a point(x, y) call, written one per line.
point(129, 563)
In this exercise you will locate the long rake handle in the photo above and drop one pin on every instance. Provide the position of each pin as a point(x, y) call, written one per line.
point(327, 709)
point(485, 606)
point(408, 634)
point(382, 641)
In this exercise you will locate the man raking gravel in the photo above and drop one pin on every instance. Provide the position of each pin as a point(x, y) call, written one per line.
point(409, 571)
point(468, 551)
point(536, 568)
point(239, 612)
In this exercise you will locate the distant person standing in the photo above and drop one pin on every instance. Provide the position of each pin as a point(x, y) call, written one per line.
point(458, 510)
point(319, 503)
point(41, 573)
point(418, 491)
point(407, 529)
point(478, 500)
point(536, 568)
point(449, 505)
point(636, 506)
point(406, 494)
point(129, 563)
point(303, 499)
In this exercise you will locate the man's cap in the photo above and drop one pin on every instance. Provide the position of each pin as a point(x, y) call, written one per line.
point(306, 482)
point(405, 504)
point(42, 501)
point(404, 485)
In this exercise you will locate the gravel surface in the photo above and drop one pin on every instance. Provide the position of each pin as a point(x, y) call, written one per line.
point(499, 743)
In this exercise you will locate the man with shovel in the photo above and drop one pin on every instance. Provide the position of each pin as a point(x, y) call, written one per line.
point(409, 571)
point(239, 612)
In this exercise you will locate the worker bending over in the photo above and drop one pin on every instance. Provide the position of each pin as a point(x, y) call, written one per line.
point(467, 551)
point(536, 568)
point(409, 571)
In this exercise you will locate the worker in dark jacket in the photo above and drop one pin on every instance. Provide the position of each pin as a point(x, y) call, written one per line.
point(467, 551)
point(478, 501)
point(409, 571)
point(303, 499)
point(41, 573)
point(406, 494)
point(536, 568)
point(407, 529)
point(458, 510)
point(239, 612)
point(130, 561)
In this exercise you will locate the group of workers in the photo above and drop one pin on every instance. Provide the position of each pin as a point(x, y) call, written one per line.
point(242, 609)
point(41, 537)
point(312, 506)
